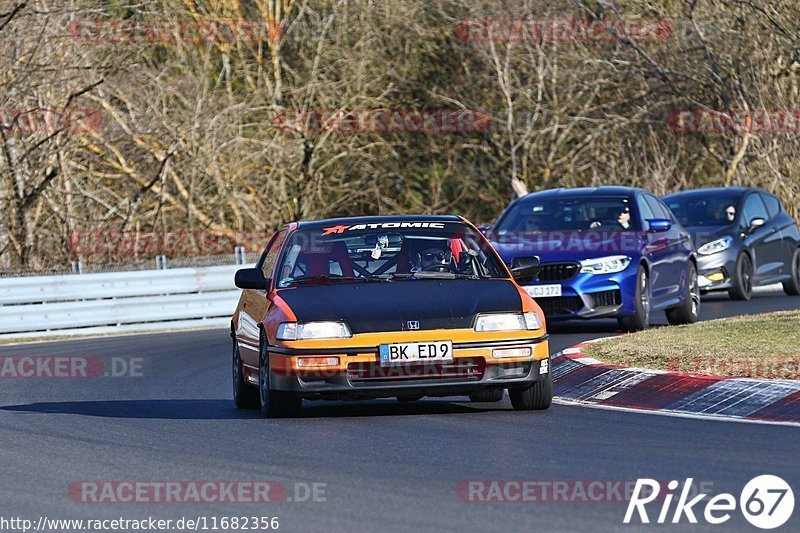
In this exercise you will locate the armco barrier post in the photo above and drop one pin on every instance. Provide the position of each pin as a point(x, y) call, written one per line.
point(239, 252)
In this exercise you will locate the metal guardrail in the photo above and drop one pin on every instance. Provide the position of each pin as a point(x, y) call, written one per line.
point(145, 300)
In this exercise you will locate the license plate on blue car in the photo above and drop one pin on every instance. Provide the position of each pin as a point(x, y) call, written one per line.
point(543, 291)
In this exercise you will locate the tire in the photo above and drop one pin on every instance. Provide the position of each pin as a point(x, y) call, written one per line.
point(641, 318)
point(537, 397)
point(487, 395)
point(743, 279)
point(792, 287)
point(688, 312)
point(272, 403)
point(244, 396)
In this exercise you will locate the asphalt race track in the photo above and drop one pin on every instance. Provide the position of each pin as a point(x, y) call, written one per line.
point(384, 466)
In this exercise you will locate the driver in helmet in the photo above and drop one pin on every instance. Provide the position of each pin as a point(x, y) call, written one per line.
point(434, 256)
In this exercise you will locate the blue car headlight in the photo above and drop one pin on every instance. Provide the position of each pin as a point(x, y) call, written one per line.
point(714, 247)
point(605, 265)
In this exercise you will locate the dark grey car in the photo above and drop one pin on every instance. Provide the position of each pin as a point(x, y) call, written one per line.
point(744, 239)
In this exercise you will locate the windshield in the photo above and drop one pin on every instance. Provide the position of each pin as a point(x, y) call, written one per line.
point(569, 214)
point(704, 211)
point(386, 252)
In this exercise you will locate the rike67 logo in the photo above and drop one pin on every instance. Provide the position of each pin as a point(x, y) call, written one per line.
point(766, 502)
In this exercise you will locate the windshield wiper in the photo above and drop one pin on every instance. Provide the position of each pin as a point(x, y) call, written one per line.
point(313, 279)
point(431, 275)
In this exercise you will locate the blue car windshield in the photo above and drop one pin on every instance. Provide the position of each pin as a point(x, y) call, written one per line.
point(569, 214)
point(693, 210)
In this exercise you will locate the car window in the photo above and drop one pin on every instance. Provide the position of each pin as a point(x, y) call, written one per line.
point(666, 210)
point(566, 213)
point(391, 250)
point(272, 252)
point(773, 204)
point(644, 209)
point(754, 208)
point(659, 211)
point(693, 210)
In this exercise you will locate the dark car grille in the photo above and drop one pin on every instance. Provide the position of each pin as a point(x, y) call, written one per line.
point(463, 369)
point(606, 298)
point(567, 305)
point(558, 271)
point(562, 305)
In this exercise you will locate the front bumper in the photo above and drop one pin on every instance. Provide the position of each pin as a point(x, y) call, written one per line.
point(592, 296)
point(360, 375)
point(715, 272)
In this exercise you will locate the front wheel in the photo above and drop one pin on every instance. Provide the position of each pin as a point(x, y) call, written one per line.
point(688, 312)
point(792, 287)
point(244, 396)
point(537, 397)
point(743, 279)
point(641, 318)
point(274, 404)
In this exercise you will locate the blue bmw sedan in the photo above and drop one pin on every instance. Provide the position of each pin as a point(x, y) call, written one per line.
point(604, 252)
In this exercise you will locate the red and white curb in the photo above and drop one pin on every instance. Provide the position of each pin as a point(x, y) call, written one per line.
point(587, 381)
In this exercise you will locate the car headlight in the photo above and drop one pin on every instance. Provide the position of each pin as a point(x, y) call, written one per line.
point(295, 331)
point(605, 265)
point(713, 247)
point(508, 322)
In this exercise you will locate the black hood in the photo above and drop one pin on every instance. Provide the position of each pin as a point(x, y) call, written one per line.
point(376, 307)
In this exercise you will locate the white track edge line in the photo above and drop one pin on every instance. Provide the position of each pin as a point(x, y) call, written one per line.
point(677, 414)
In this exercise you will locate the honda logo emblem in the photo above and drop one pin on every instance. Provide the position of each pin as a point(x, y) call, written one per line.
point(413, 324)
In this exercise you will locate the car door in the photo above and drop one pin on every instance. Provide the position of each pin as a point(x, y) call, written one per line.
point(656, 247)
point(253, 303)
point(786, 226)
point(764, 241)
point(680, 247)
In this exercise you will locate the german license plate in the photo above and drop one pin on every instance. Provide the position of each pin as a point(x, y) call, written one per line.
point(416, 352)
point(543, 291)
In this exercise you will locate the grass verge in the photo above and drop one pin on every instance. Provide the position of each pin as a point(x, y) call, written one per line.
point(758, 346)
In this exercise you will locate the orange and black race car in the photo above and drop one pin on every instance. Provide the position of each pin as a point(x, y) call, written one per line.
point(405, 306)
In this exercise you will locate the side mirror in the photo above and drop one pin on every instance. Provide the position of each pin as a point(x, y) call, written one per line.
point(757, 223)
point(658, 225)
point(251, 278)
point(485, 229)
point(525, 268)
